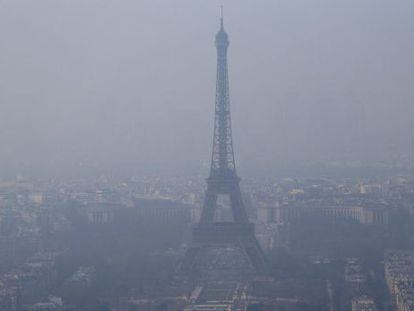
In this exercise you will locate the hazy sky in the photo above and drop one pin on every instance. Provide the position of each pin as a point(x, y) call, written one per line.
point(109, 83)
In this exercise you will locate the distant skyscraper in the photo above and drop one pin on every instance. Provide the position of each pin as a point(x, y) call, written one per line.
point(223, 180)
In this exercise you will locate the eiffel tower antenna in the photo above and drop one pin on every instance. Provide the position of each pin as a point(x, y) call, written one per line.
point(221, 16)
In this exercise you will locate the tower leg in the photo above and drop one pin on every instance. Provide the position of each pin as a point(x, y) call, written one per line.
point(209, 208)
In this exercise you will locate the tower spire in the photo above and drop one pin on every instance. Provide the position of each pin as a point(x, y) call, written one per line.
point(221, 17)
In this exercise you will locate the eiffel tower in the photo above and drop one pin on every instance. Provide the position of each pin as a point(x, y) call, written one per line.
point(223, 180)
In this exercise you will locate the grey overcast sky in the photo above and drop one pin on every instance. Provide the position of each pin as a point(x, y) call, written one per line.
point(110, 84)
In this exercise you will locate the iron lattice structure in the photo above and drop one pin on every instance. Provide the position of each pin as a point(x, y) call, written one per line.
point(223, 180)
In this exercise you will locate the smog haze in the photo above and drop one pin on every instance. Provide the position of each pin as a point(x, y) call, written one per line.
point(130, 84)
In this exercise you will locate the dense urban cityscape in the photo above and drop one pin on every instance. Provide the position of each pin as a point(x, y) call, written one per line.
point(333, 244)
